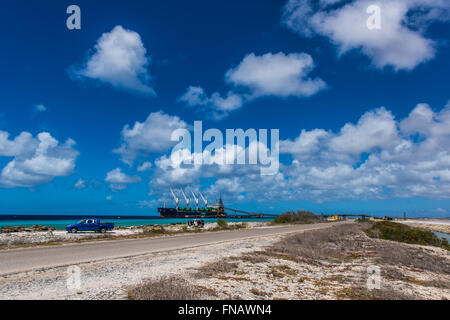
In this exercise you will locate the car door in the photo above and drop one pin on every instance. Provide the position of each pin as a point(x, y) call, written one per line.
point(95, 224)
point(82, 225)
point(91, 225)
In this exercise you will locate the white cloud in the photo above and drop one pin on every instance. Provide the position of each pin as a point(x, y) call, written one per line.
point(278, 75)
point(120, 59)
point(196, 96)
point(117, 176)
point(400, 42)
point(80, 184)
point(397, 163)
point(377, 157)
point(220, 106)
point(152, 135)
point(305, 144)
point(118, 180)
point(145, 166)
point(35, 160)
point(40, 108)
point(22, 145)
point(375, 129)
point(228, 103)
point(179, 167)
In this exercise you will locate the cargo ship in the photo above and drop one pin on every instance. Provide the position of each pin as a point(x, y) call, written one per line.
point(208, 211)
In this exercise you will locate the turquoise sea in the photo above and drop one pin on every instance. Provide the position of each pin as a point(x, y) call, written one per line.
point(61, 224)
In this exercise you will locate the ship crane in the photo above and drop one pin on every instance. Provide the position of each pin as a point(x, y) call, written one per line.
point(196, 199)
point(177, 200)
point(185, 197)
point(204, 199)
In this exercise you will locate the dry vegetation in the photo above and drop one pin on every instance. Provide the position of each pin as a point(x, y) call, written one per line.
point(333, 244)
point(215, 268)
point(326, 264)
point(164, 288)
point(300, 216)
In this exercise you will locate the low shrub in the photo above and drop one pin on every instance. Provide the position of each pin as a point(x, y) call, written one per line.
point(215, 268)
point(296, 217)
point(164, 288)
point(402, 233)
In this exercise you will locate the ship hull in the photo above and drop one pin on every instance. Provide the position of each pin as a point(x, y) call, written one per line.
point(177, 213)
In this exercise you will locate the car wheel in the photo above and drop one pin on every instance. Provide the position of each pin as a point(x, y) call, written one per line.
point(102, 230)
point(73, 230)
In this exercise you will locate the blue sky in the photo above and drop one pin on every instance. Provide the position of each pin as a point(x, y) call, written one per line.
point(362, 113)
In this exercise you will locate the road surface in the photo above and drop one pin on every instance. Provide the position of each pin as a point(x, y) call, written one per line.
point(27, 259)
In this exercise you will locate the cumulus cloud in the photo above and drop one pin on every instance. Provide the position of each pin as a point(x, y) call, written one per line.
point(152, 135)
point(179, 168)
point(377, 157)
point(374, 129)
point(36, 160)
point(119, 59)
point(277, 75)
point(306, 143)
point(397, 164)
point(119, 180)
point(400, 42)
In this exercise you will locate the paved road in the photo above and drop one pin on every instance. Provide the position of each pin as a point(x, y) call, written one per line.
point(19, 260)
